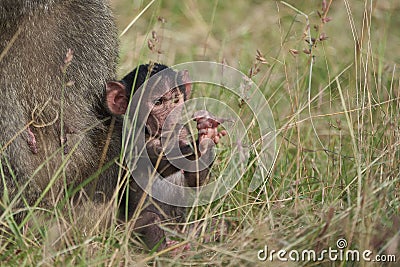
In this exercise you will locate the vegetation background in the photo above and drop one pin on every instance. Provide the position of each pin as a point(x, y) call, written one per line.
point(329, 70)
point(335, 103)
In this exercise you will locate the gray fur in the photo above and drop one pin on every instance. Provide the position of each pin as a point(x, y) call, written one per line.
point(35, 37)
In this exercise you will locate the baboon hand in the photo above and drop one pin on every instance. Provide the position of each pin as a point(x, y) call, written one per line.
point(207, 125)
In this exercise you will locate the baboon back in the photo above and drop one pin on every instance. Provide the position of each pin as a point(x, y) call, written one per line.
point(56, 106)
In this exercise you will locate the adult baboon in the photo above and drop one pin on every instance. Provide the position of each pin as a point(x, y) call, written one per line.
point(55, 58)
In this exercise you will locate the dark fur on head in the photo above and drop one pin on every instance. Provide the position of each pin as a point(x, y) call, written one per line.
point(139, 75)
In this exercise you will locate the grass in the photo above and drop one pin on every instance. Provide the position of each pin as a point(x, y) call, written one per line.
point(335, 103)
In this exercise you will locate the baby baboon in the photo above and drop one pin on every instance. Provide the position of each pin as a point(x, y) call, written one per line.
point(165, 98)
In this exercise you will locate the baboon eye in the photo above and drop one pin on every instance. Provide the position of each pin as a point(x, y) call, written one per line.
point(176, 98)
point(158, 101)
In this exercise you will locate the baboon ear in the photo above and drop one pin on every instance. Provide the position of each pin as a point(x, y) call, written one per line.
point(116, 98)
point(187, 82)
